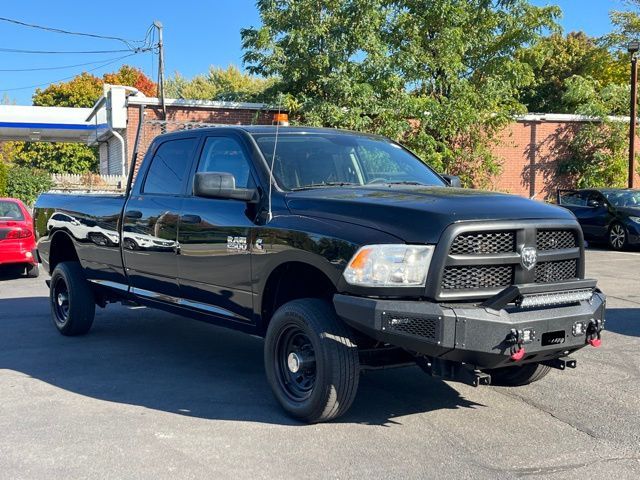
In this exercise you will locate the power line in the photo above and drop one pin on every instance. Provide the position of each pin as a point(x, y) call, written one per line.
point(17, 50)
point(62, 67)
point(68, 32)
point(70, 77)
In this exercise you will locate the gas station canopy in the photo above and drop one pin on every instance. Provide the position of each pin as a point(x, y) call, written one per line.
point(46, 124)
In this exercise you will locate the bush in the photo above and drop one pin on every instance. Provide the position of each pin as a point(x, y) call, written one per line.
point(27, 183)
point(4, 174)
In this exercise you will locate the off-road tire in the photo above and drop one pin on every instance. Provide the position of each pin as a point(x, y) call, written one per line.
point(72, 301)
point(518, 376)
point(335, 371)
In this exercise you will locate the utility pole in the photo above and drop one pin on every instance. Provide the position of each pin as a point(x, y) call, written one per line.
point(158, 25)
point(633, 48)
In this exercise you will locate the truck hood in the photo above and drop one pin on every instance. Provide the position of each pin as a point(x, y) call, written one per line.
point(416, 214)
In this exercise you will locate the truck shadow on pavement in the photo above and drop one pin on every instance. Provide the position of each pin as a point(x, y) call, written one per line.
point(625, 321)
point(163, 362)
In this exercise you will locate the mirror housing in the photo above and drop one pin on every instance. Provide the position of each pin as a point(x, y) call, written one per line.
point(593, 203)
point(221, 185)
point(452, 180)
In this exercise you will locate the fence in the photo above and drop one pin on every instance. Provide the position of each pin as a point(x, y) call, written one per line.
point(88, 182)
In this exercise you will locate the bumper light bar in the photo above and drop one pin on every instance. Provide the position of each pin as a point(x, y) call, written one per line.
point(557, 298)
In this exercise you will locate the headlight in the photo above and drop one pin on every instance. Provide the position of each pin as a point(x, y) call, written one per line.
point(389, 266)
point(635, 219)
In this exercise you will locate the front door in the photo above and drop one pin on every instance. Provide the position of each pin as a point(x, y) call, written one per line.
point(214, 265)
point(150, 227)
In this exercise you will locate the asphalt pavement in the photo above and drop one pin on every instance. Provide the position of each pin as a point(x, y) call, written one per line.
point(148, 395)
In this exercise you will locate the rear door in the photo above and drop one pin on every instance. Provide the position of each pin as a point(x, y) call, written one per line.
point(150, 224)
point(214, 264)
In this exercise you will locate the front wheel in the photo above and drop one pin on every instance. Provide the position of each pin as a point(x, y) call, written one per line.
point(617, 236)
point(518, 376)
point(311, 361)
point(72, 302)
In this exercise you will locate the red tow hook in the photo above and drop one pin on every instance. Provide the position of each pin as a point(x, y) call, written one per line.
point(515, 338)
point(594, 330)
point(518, 355)
point(594, 342)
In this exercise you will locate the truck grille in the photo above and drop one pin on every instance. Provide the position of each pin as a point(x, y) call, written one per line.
point(555, 239)
point(477, 264)
point(484, 242)
point(548, 272)
point(467, 278)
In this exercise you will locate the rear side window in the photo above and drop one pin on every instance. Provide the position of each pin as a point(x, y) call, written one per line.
point(10, 211)
point(169, 166)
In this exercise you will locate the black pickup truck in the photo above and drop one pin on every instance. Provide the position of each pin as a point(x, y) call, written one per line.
point(343, 250)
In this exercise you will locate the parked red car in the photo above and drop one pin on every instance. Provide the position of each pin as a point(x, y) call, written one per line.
point(17, 242)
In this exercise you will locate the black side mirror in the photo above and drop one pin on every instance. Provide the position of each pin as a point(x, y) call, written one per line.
point(593, 203)
point(221, 185)
point(452, 180)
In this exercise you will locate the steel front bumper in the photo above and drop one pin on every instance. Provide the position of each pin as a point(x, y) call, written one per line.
point(482, 336)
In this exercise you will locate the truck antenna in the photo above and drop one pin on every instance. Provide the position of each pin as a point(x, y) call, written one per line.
point(273, 159)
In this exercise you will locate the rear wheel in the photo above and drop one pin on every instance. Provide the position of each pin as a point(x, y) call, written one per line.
point(311, 361)
point(33, 271)
point(617, 236)
point(518, 376)
point(72, 302)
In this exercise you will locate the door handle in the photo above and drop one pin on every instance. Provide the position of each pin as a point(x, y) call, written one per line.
point(133, 214)
point(190, 219)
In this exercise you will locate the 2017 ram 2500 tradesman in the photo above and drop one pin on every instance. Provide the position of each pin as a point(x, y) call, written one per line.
point(351, 254)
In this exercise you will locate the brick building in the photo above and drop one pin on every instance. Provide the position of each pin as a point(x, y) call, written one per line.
point(529, 148)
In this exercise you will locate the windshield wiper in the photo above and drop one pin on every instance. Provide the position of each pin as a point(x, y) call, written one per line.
point(325, 184)
point(406, 182)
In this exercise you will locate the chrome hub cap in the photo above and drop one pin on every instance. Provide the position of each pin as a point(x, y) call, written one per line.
point(62, 299)
point(293, 362)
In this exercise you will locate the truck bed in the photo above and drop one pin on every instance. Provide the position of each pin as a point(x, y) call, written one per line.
point(92, 220)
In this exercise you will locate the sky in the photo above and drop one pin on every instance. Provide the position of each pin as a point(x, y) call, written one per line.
point(197, 34)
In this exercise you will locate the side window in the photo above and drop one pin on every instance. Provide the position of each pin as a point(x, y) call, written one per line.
point(225, 155)
point(575, 199)
point(169, 166)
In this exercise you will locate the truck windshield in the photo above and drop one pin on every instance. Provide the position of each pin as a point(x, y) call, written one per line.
point(319, 160)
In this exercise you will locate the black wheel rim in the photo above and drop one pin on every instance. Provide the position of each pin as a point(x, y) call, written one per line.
point(295, 363)
point(60, 300)
point(617, 236)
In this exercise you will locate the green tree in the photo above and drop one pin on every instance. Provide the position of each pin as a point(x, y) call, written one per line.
point(58, 157)
point(440, 76)
point(228, 84)
point(626, 25)
point(558, 57)
point(598, 152)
